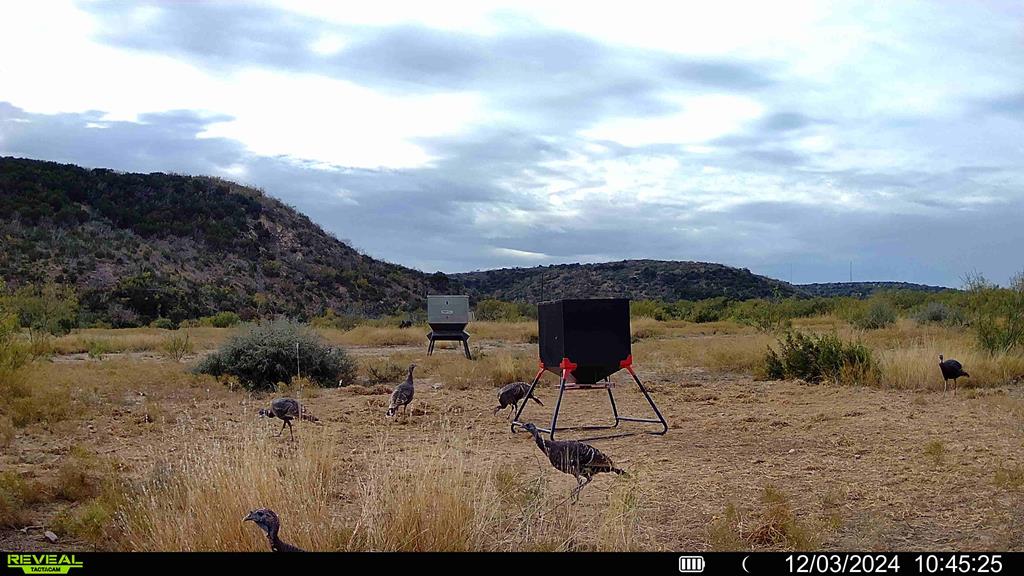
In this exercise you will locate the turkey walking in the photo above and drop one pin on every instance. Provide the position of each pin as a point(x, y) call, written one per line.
point(951, 370)
point(266, 519)
point(287, 409)
point(511, 394)
point(573, 457)
point(402, 395)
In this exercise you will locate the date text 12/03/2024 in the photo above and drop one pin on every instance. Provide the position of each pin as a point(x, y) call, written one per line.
point(891, 563)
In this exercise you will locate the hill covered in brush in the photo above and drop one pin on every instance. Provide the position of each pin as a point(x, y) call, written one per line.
point(140, 246)
point(639, 279)
point(862, 289)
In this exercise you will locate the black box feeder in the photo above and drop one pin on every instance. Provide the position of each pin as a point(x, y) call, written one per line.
point(585, 341)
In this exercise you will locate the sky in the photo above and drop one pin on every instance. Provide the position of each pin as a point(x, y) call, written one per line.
point(790, 138)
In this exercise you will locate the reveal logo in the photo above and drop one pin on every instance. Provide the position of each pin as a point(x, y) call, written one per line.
point(43, 563)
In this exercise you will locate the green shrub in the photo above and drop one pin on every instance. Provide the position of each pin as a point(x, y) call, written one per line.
point(648, 309)
point(1000, 334)
point(496, 311)
point(97, 347)
point(879, 314)
point(709, 310)
point(221, 320)
point(940, 313)
point(263, 355)
point(52, 308)
point(764, 315)
point(330, 319)
point(163, 324)
point(819, 358)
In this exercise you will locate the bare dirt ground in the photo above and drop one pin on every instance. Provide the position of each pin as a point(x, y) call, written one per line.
point(854, 462)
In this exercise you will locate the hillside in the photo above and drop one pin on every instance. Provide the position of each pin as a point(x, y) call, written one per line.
point(139, 246)
point(862, 289)
point(638, 279)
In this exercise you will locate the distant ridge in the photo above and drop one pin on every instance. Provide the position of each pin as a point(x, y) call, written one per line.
point(862, 289)
point(637, 279)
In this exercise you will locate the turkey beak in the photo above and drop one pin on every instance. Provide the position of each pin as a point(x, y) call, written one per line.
point(249, 517)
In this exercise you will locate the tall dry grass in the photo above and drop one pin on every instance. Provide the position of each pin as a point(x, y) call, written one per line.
point(446, 495)
point(198, 504)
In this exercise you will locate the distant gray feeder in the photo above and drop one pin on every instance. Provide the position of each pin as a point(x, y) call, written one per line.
point(447, 317)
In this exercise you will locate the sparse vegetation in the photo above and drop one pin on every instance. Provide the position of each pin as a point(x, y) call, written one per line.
point(385, 372)
point(819, 358)
point(878, 314)
point(178, 344)
point(263, 355)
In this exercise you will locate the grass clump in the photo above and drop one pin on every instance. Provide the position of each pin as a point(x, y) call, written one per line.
point(17, 495)
point(178, 344)
point(1010, 478)
point(385, 372)
point(263, 355)
point(820, 358)
point(935, 450)
point(79, 477)
point(778, 527)
point(772, 526)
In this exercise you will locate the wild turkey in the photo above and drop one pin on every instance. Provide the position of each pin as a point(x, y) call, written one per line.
point(573, 457)
point(402, 395)
point(287, 409)
point(266, 519)
point(511, 394)
point(405, 324)
point(951, 370)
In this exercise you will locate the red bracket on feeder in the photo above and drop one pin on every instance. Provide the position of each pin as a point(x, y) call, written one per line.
point(567, 366)
point(628, 364)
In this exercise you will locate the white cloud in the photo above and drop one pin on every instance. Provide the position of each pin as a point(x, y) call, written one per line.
point(700, 119)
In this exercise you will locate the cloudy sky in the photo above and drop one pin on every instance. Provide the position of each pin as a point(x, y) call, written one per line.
point(791, 138)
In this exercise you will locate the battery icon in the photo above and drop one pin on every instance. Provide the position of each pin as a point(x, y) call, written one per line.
point(691, 564)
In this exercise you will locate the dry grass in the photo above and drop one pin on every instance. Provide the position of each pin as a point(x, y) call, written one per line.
point(97, 341)
point(365, 335)
point(181, 458)
point(198, 504)
point(731, 353)
point(1010, 477)
point(454, 371)
point(79, 476)
point(772, 526)
point(441, 497)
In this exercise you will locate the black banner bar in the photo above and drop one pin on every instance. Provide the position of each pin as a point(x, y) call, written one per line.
point(712, 563)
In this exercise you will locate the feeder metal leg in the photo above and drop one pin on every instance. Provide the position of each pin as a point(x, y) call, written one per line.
point(615, 410)
point(558, 404)
point(518, 410)
point(465, 346)
point(664, 424)
point(430, 349)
